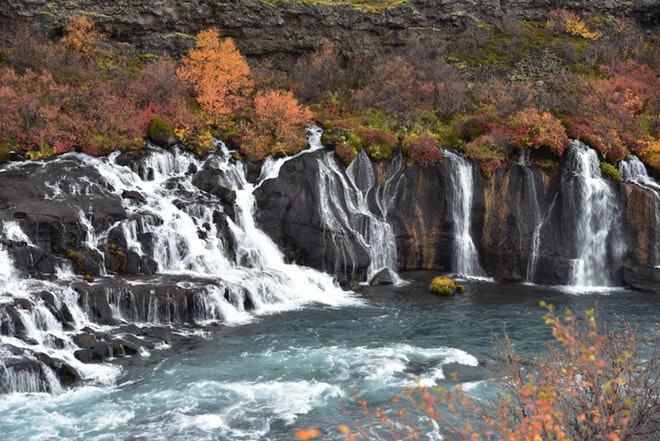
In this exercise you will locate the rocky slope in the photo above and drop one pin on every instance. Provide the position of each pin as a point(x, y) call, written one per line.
point(283, 30)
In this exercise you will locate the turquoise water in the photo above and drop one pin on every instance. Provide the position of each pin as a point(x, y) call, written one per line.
point(262, 380)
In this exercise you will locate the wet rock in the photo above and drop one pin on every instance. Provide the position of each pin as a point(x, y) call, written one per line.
point(290, 212)
point(134, 195)
point(65, 373)
point(101, 351)
point(85, 340)
point(645, 278)
point(212, 181)
point(382, 277)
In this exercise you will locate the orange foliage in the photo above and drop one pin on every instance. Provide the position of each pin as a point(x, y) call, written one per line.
point(595, 384)
point(218, 74)
point(307, 434)
point(80, 36)
point(278, 126)
point(533, 130)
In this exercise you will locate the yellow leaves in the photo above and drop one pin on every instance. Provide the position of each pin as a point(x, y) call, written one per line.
point(307, 434)
point(344, 429)
point(576, 26)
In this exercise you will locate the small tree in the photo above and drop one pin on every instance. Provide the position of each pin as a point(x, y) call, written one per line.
point(81, 37)
point(278, 126)
point(218, 74)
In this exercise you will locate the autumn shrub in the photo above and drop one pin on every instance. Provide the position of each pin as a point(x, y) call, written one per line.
point(610, 171)
point(595, 381)
point(81, 37)
point(531, 129)
point(378, 143)
point(651, 156)
point(251, 144)
point(319, 73)
point(348, 149)
point(422, 149)
point(158, 92)
point(488, 152)
point(279, 117)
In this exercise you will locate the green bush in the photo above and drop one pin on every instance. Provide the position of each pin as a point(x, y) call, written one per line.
point(160, 132)
point(611, 171)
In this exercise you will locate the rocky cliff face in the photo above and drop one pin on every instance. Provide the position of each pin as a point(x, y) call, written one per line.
point(285, 30)
point(527, 224)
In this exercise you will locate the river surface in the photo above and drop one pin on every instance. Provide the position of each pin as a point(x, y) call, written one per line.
point(265, 379)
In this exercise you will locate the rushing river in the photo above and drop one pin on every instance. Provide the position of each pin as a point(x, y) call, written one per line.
point(264, 379)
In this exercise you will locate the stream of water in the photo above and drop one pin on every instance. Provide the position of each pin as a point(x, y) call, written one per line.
point(262, 380)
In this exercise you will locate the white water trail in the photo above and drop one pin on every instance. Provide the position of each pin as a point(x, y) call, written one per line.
point(532, 192)
point(465, 257)
point(346, 212)
point(595, 212)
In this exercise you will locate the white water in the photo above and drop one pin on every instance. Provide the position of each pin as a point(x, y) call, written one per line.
point(465, 260)
point(633, 170)
point(179, 219)
point(595, 222)
point(354, 208)
point(531, 192)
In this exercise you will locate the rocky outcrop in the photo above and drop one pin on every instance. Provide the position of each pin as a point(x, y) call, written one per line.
point(290, 212)
point(521, 204)
point(282, 31)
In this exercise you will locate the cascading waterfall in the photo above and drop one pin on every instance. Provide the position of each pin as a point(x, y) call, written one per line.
point(465, 258)
point(633, 170)
point(355, 207)
point(532, 193)
point(595, 212)
point(237, 273)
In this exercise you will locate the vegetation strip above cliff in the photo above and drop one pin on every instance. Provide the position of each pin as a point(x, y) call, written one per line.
point(487, 89)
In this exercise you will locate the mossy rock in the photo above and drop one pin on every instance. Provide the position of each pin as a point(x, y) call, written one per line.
point(445, 286)
point(609, 170)
point(161, 133)
point(75, 257)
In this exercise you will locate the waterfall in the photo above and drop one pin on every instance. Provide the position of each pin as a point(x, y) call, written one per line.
point(633, 170)
point(532, 192)
point(354, 209)
point(595, 212)
point(465, 258)
point(201, 245)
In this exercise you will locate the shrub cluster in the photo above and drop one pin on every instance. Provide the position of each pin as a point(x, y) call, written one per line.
point(488, 91)
point(81, 93)
point(499, 87)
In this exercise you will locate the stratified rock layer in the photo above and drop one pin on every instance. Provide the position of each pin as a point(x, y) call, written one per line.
point(283, 30)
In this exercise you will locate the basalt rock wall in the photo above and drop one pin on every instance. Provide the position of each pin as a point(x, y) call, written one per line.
point(283, 30)
point(506, 212)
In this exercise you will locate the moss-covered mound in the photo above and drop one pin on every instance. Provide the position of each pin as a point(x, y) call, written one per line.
point(445, 286)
